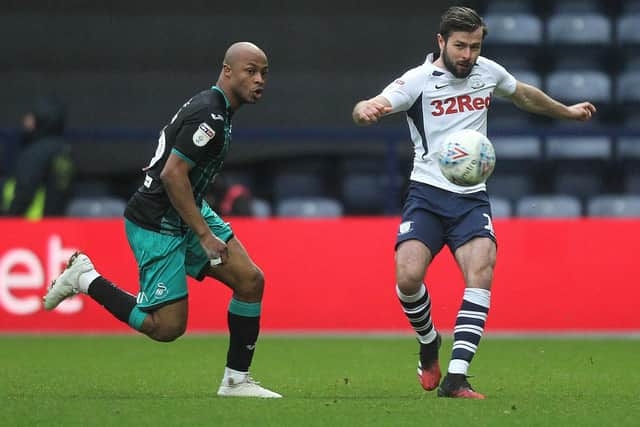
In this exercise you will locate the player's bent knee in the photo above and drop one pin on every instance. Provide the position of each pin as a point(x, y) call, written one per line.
point(169, 333)
point(251, 286)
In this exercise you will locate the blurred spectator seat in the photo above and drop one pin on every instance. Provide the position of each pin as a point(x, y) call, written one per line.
point(508, 6)
point(576, 86)
point(628, 87)
point(261, 208)
point(549, 206)
point(578, 36)
point(91, 188)
point(365, 193)
point(628, 161)
point(309, 207)
point(631, 6)
point(509, 29)
point(579, 164)
point(96, 207)
point(500, 207)
point(628, 29)
point(611, 205)
point(575, 6)
point(579, 29)
point(289, 185)
point(519, 159)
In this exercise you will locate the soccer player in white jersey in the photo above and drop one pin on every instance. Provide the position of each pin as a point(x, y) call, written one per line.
point(443, 95)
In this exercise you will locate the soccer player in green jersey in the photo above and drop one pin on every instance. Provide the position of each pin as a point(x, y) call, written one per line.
point(173, 232)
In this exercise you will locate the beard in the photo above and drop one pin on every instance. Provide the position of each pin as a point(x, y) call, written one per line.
point(451, 66)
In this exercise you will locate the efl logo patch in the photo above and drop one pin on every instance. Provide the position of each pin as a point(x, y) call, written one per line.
point(203, 134)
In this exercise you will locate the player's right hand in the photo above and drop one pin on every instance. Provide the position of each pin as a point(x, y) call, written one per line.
point(215, 248)
point(369, 112)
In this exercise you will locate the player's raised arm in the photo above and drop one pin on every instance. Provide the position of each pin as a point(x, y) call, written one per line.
point(533, 100)
point(371, 110)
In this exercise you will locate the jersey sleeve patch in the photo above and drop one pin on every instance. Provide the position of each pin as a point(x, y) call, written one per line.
point(203, 135)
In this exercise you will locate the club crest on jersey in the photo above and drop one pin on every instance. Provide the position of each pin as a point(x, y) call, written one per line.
point(476, 81)
point(203, 134)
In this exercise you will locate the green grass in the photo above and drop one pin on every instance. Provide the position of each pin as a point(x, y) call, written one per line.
point(350, 381)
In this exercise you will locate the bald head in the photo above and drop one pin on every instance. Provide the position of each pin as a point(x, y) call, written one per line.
point(243, 52)
point(243, 74)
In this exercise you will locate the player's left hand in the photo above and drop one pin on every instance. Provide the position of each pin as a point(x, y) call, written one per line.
point(581, 111)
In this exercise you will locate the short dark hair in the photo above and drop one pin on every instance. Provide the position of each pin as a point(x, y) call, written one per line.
point(459, 18)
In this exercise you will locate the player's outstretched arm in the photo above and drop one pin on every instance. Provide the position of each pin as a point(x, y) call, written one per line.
point(371, 110)
point(533, 100)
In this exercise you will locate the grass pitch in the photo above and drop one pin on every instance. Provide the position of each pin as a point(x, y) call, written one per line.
point(349, 381)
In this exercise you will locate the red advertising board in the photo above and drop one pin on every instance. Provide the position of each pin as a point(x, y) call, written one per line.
point(338, 276)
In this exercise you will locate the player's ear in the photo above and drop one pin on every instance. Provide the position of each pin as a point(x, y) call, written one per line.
point(441, 41)
point(226, 69)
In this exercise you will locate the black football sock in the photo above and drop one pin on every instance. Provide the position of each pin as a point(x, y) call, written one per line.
point(115, 300)
point(244, 326)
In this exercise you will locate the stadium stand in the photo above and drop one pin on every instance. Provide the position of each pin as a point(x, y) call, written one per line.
point(96, 207)
point(310, 207)
point(549, 206)
point(617, 206)
point(500, 208)
point(261, 208)
point(576, 50)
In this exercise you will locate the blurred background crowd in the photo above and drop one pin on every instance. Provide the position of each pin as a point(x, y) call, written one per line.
point(87, 87)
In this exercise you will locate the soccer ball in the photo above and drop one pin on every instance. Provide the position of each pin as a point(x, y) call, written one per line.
point(466, 158)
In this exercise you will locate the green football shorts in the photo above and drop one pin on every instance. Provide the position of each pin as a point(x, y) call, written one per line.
point(165, 261)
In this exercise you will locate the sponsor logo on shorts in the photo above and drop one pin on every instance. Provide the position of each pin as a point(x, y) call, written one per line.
point(405, 227)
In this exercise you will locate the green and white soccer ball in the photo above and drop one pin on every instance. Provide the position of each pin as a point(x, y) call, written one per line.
point(466, 158)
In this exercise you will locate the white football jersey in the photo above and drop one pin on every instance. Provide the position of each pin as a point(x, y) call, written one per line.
point(438, 103)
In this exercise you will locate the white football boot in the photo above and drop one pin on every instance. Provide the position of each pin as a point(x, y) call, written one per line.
point(240, 384)
point(66, 285)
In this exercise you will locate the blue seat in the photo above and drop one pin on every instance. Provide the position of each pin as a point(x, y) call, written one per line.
point(586, 29)
point(628, 87)
point(519, 159)
point(576, 6)
point(511, 186)
point(96, 207)
point(630, 6)
point(508, 6)
point(309, 207)
point(549, 206)
point(366, 193)
point(628, 29)
point(628, 159)
point(619, 206)
point(577, 86)
point(521, 29)
point(261, 208)
point(578, 148)
point(289, 185)
point(500, 207)
point(519, 148)
point(579, 164)
point(581, 184)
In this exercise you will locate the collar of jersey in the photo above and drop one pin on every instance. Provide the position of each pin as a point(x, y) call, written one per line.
point(214, 87)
